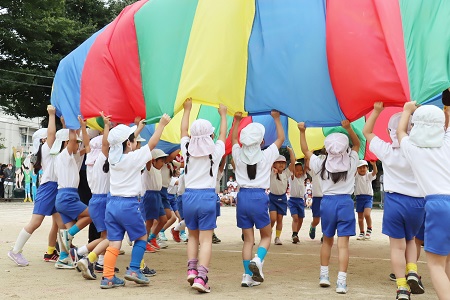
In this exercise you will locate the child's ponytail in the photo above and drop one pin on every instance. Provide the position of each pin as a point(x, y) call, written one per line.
point(106, 166)
point(335, 177)
point(38, 163)
point(251, 171)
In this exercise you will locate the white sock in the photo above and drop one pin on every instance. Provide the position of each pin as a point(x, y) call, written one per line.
point(101, 260)
point(21, 241)
point(323, 270)
point(342, 276)
point(83, 250)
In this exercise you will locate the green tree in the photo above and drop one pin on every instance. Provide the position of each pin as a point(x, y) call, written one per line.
point(34, 36)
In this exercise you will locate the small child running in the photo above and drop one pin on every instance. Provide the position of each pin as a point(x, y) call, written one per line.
point(364, 196)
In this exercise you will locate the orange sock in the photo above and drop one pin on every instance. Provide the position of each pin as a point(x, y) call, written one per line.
point(110, 262)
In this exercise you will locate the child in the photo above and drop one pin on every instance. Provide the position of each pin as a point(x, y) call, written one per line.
point(252, 170)
point(279, 178)
point(364, 197)
point(122, 209)
point(296, 202)
point(202, 158)
point(178, 232)
point(172, 195)
point(215, 239)
point(18, 166)
point(44, 204)
point(27, 173)
point(403, 205)
point(316, 196)
point(337, 171)
point(429, 143)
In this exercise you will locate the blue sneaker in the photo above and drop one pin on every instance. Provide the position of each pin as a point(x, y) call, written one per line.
point(324, 281)
point(341, 287)
point(66, 239)
point(312, 232)
point(111, 283)
point(136, 276)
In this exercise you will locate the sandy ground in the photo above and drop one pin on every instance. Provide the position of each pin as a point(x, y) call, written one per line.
point(291, 271)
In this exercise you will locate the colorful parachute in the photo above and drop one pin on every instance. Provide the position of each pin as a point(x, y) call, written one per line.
point(314, 61)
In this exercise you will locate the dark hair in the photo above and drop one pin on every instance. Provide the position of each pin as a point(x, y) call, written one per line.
point(106, 166)
point(335, 177)
point(446, 97)
point(187, 161)
point(124, 146)
point(251, 171)
point(38, 164)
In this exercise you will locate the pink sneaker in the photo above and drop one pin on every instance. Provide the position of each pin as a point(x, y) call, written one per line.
point(191, 274)
point(201, 285)
point(18, 258)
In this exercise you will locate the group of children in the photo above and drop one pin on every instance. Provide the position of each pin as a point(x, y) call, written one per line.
point(133, 187)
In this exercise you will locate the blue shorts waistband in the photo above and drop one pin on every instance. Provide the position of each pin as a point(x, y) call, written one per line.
point(68, 190)
point(437, 197)
point(337, 197)
point(100, 195)
point(296, 198)
point(251, 189)
point(275, 195)
point(203, 190)
point(120, 198)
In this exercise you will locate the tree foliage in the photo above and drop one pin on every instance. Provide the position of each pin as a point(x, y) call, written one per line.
point(34, 36)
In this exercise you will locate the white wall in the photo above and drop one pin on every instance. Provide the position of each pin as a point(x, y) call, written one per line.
point(11, 130)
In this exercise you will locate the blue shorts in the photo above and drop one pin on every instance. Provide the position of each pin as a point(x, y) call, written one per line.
point(180, 206)
point(363, 202)
point(165, 199)
point(123, 214)
point(27, 188)
point(337, 213)
point(68, 204)
point(315, 207)
point(252, 208)
point(153, 206)
point(403, 216)
point(297, 206)
point(437, 224)
point(278, 203)
point(97, 208)
point(44, 202)
point(141, 206)
point(200, 209)
point(218, 206)
point(421, 233)
point(173, 202)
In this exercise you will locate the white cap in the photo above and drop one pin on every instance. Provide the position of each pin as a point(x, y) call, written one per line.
point(158, 153)
point(96, 147)
point(116, 137)
point(37, 137)
point(251, 137)
point(362, 162)
point(338, 159)
point(201, 144)
point(62, 135)
point(281, 158)
point(140, 139)
point(428, 127)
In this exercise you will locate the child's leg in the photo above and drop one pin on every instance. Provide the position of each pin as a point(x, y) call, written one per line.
point(325, 250)
point(295, 224)
point(192, 246)
point(419, 244)
point(279, 226)
point(266, 233)
point(343, 253)
point(205, 239)
point(398, 260)
point(52, 235)
point(273, 217)
point(247, 248)
point(149, 225)
point(299, 224)
point(361, 221)
point(110, 258)
point(367, 216)
point(438, 265)
point(162, 220)
point(171, 218)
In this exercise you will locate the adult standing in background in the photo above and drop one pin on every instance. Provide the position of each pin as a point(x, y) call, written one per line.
point(2, 189)
point(8, 182)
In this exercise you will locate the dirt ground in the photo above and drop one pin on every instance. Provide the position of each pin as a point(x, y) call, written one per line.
point(291, 271)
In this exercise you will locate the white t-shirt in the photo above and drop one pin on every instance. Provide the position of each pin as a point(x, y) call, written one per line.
point(263, 168)
point(48, 165)
point(197, 176)
point(173, 187)
point(363, 184)
point(165, 175)
point(151, 179)
point(297, 185)
point(431, 166)
point(398, 175)
point(125, 180)
point(279, 187)
point(316, 182)
point(66, 169)
point(232, 183)
point(181, 185)
point(97, 179)
point(341, 187)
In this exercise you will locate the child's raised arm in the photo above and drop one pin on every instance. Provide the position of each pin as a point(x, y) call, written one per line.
point(140, 125)
point(185, 120)
point(223, 122)
point(303, 142)
point(353, 137)
point(87, 147)
point(402, 128)
point(370, 123)
point(51, 128)
point(234, 134)
point(447, 116)
point(222, 164)
point(280, 131)
point(105, 143)
point(375, 169)
point(292, 159)
point(153, 141)
point(72, 146)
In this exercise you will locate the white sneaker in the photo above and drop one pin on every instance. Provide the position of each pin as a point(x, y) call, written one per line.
point(360, 236)
point(341, 287)
point(65, 263)
point(278, 241)
point(162, 244)
point(368, 234)
point(256, 267)
point(324, 281)
point(162, 236)
point(247, 281)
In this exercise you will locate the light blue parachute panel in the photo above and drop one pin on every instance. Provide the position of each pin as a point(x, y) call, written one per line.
point(287, 67)
point(271, 132)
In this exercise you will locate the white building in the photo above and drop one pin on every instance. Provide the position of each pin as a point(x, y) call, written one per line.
point(16, 133)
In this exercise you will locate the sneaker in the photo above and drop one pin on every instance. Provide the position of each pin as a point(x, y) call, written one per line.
point(403, 293)
point(111, 283)
point(215, 239)
point(154, 244)
point(65, 263)
point(201, 285)
point(392, 277)
point(161, 244)
point(127, 237)
point(75, 257)
point(295, 239)
point(312, 232)
point(136, 276)
point(149, 248)
point(247, 281)
point(121, 252)
point(148, 272)
point(415, 283)
point(87, 269)
point(277, 241)
point(66, 239)
point(324, 281)
point(321, 239)
point(256, 267)
point(191, 274)
point(183, 236)
point(341, 287)
point(18, 258)
point(99, 268)
point(162, 236)
point(51, 257)
point(368, 234)
point(175, 235)
point(360, 236)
